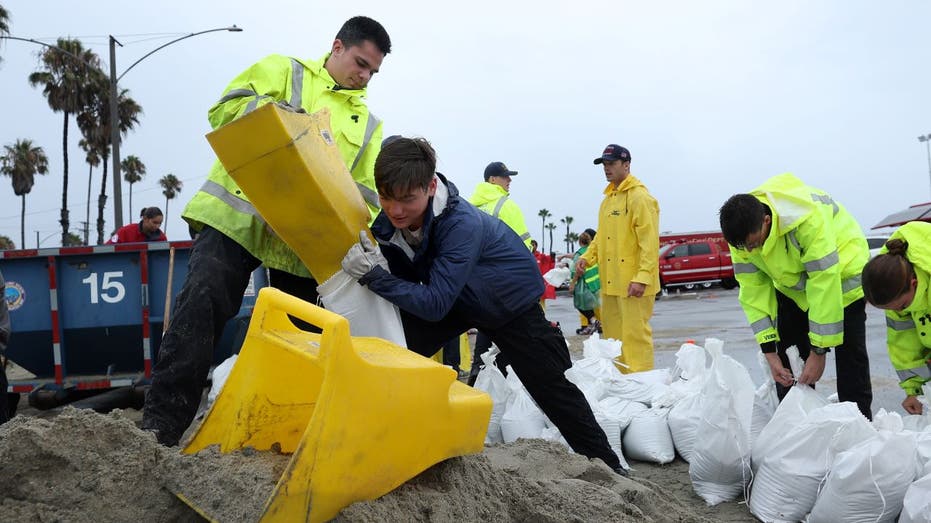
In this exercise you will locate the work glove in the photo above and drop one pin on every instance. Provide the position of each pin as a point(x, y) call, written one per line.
point(362, 257)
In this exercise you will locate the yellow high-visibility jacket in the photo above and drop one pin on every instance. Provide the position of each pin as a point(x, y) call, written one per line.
point(494, 200)
point(814, 254)
point(626, 247)
point(908, 333)
point(300, 84)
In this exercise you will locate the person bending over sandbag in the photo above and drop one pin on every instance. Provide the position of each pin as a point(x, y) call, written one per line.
point(449, 267)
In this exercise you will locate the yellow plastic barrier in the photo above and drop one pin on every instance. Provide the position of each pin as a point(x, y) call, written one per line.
point(291, 168)
point(360, 415)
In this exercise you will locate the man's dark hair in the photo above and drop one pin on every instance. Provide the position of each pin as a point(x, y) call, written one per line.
point(358, 29)
point(740, 216)
point(403, 165)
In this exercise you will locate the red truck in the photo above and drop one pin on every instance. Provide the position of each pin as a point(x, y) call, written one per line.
point(695, 259)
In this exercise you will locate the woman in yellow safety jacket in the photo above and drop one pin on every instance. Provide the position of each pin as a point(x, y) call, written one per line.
point(897, 280)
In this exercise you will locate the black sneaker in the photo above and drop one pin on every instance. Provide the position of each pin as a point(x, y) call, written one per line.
point(621, 471)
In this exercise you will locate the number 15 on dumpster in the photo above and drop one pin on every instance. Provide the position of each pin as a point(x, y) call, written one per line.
point(110, 290)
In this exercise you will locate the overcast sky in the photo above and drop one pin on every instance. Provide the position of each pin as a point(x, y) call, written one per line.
point(711, 97)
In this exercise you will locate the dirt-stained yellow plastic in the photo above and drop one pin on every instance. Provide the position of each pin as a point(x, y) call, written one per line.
point(360, 415)
point(289, 166)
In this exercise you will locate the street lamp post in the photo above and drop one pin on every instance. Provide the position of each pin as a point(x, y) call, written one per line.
point(115, 114)
point(926, 139)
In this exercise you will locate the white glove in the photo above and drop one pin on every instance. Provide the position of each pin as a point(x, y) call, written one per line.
point(362, 257)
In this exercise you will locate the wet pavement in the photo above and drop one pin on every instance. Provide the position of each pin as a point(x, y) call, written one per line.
point(716, 313)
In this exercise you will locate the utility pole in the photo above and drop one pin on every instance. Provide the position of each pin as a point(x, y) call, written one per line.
point(926, 139)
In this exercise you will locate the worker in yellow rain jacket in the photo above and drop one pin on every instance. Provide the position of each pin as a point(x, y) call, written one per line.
point(625, 250)
point(233, 239)
point(492, 196)
point(897, 280)
point(798, 255)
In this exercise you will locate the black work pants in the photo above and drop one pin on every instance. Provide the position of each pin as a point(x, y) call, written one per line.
point(218, 273)
point(540, 357)
point(851, 360)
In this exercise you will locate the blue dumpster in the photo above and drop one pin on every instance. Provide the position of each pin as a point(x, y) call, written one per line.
point(92, 317)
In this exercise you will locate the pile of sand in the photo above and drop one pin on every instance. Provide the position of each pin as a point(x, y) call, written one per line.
point(84, 466)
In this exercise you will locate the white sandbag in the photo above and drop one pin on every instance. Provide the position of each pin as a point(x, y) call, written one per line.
point(645, 387)
point(916, 507)
point(219, 376)
point(368, 313)
point(765, 401)
point(647, 438)
point(788, 474)
point(684, 418)
point(592, 376)
point(686, 377)
point(868, 482)
point(553, 434)
point(596, 347)
point(612, 430)
point(790, 413)
point(558, 276)
point(621, 410)
point(720, 464)
point(522, 417)
point(492, 381)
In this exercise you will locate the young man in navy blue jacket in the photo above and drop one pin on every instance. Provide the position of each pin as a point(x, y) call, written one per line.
point(453, 267)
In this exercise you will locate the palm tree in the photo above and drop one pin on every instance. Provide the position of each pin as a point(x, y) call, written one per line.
point(551, 227)
point(133, 171)
point(21, 162)
point(4, 23)
point(64, 84)
point(93, 158)
point(6, 243)
point(94, 122)
point(171, 186)
point(571, 238)
point(543, 214)
point(567, 220)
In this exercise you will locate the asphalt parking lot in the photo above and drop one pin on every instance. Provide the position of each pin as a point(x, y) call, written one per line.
point(715, 313)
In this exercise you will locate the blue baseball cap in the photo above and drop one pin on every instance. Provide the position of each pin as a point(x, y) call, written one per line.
point(613, 152)
point(498, 169)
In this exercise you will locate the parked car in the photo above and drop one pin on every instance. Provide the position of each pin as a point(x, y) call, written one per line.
point(696, 263)
point(875, 243)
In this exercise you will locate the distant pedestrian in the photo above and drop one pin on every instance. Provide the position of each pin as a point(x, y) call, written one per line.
point(149, 228)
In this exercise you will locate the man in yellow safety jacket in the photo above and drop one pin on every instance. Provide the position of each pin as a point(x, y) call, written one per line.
point(233, 239)
point(625, 250)
point(898, 280)
point(798, 255)
point(492, 196)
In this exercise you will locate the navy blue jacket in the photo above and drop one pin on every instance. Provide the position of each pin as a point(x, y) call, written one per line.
point(469, 263)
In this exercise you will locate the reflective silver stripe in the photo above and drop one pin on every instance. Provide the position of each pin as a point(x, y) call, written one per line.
point(499, 205)
point(368, 194)
point(253, 103)
point(745, 268)
point(297, 84)
point(370, 125)
point(899, 325)
point(826, 329)
point(794, 240)
point(213, 188)
point(761, 325)
point(803, 279)
point(921, 372)
point(825, 199)
point(525, 236)
point(850, 284)
point(237, 93)
point(824, 263)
